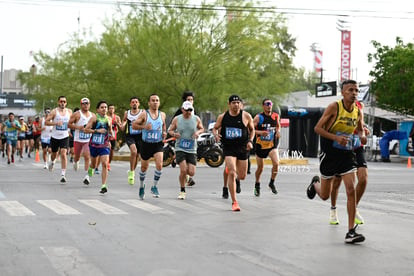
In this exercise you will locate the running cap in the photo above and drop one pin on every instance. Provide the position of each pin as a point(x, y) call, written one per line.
point(187, 105)
point(234, 98)
point(84, 100)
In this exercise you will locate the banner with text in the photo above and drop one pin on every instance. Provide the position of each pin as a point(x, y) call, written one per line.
point(345, 55)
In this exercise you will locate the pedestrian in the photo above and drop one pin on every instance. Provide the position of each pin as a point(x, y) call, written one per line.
point(116, 123)
point(362, 177)
point(21, 138)
point(267, 128)
point(336, 128)
point(45, 136)
point(59, 119)
point(236, 135)
point(152, 124)
point(133, 137)
point(77, 123)
point(100, 125)
point(10, 128)
point(186, 128)
point(187, 96)
point(29, 139)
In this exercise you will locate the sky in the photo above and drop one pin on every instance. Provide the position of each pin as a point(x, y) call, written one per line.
point(33, 25)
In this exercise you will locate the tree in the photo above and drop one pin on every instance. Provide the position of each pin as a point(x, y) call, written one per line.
point(166, 47)
point(393, 73)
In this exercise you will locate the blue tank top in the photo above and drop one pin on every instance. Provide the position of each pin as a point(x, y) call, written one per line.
point(154, 135)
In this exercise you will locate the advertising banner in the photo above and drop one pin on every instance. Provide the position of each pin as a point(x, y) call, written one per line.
point(345, 55)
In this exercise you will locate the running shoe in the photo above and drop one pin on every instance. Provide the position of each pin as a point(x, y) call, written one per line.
point(238, 188)
point(103, 189)
point(273, 188)
point(190, 181)
point(12, 157)
point(62, 179)
point(86, 180)
point(131, 177)
point(354, 237)
point(51, 166)
point(76, 166)
point(90, 172)
point(225, 192)
point(154, 191)
point(97, 171)
point(8, 161)
point(333, 217)
point(235, 206)
point(182, 195)
point(109, 166)
point(45, 166)
point(257, 189)
point(311, 192)
point(358, 218)
point(142, 193)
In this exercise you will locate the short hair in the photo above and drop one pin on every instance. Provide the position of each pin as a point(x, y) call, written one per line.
point(11, 113)
point(111, 104)
point(187, 94)
point(101, 102)
point(134, 98)
point(60, 97)
point(347, 82)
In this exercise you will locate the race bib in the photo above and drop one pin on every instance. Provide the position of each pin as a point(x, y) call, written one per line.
point(233, 133)
point(84, 136)
point(64, 126)
point(186, 143)
point(134, 131)
point(152, 136)
point(353, 142)
point(45, 140)
point(98, 138)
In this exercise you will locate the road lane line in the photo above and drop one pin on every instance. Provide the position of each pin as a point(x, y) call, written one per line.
point(184, 205)
point(68, 260)
point(102, 207)
point(16, 209)
point(59, 207)
point(146, 206)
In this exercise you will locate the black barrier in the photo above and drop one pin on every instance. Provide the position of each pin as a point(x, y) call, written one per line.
point(302, 137)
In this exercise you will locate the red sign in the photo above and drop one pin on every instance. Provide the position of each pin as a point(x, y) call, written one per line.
point(318, 61)
point(345, 55)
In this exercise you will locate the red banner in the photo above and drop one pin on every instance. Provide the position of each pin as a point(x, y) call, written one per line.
point(318, 61)
point(345, 55)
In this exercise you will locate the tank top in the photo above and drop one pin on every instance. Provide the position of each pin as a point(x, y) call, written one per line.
point(344, 124)
point(81, 136)
point(46, 132)
point(100, 140)
point(130, 118)
point(233, 131)
point(153, 135)
point(60, 132)
point(36, 124)
point(29, 130)
point(186, 128)
point(268, 123)
point(11, 132)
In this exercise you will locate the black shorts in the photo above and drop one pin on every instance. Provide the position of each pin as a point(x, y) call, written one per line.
point(134, 140)
point(336, 163)
point(57, 144)
point(190, 158)
point(240, 153)
point(149, 149)
point(263, 153)
point(113, 143)
point(360, 158)
point(29, 137)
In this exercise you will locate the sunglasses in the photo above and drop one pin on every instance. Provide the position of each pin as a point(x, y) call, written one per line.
point(62, 101)
point(188, 110)
point(268, 104)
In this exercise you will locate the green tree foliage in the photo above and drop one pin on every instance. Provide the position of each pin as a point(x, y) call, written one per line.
point(166, 48)
point(393, 73)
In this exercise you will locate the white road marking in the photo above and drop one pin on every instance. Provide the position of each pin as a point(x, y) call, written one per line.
point(146, 206)
point(16, 209)
point(59, 207)
point(102, 207)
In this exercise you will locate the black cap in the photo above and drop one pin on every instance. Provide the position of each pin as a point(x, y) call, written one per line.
point(234, 98)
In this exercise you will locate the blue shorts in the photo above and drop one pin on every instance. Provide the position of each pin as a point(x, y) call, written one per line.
point(95, 152)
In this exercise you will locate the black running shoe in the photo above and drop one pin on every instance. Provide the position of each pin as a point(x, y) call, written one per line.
point(257, 189)
point(354, 237)
point(273, 188)
point(103, 189)
point(238, 189)
point(225, 192)
point(191, 182)
point(311, 192)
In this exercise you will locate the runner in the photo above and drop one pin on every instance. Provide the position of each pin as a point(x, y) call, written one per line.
point(45, 136)
point(10, 129)
point(116, 123)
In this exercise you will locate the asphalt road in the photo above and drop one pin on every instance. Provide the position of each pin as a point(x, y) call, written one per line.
point(48, 228)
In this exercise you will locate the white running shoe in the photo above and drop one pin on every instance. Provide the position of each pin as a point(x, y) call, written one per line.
point(182, 195)
point(86, 180)
point(358, 218)
point(333, 218)
point(76, 166)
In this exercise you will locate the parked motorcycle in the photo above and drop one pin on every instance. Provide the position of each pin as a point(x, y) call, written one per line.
point(207, 148)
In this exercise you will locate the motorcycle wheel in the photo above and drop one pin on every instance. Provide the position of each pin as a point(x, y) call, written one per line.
point(214, 157)
point(168, 157)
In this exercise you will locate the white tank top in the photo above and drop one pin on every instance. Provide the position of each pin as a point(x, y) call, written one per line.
point(81, 136)
point(60, 132)
point(46, 133)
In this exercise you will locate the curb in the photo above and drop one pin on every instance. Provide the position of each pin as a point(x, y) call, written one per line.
point(286, 162)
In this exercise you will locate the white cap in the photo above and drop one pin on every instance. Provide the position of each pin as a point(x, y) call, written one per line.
point(187, 105)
